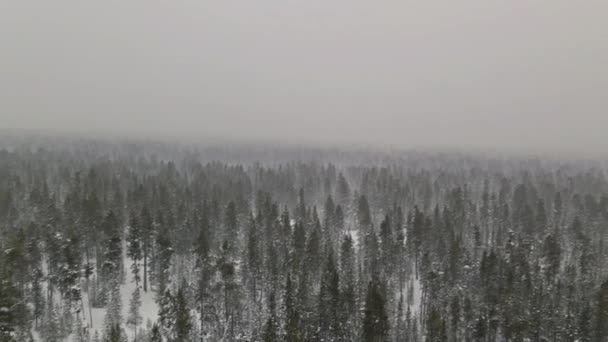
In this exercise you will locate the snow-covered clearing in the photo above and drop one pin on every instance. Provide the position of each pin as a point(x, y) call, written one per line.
point(93, 318)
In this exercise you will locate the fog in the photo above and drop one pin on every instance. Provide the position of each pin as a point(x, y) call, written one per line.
point(528, 75)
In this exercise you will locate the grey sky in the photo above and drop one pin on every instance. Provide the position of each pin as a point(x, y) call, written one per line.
point(469, 73)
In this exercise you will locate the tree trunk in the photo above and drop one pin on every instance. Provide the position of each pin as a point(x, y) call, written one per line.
point(145, 269)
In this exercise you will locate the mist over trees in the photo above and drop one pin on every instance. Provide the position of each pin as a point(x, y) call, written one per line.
point(157, 242)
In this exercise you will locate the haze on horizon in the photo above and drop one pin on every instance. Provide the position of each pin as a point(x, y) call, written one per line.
point(481, 74)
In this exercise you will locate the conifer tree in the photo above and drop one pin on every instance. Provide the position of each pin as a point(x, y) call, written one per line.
point(155, 335)
point(183, 320)
point(113, 315)
point(292, 315)
point(602, 313)
point(271, 326)
point(253, 260)
point(375, 320)
point(134, 246)
point(331, 318)
point(134, 319)
point(147, 232)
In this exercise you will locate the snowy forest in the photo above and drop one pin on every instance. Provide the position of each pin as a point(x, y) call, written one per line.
point(145, 241)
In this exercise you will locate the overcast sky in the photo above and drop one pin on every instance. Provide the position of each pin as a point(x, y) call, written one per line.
point(469, 73)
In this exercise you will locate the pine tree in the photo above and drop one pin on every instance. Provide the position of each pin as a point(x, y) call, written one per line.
point(134, 246)
point(400, 323)
point(155, 335)
point(114, 334)
point(113, 315)
point(163, 258)
point(52, 325)
point(375, 320)
point(479, 333)
point(364, 217)
point(292, 315)
point(330, 220)
point(585, 325)
point(231, 227)
point(330, 315)
point(230, 287)
point(306, 312)
point(252, 258)
point(37, 296)
point(147, 231)
point(79, 332)
point(298, 247)
point(455, 320)
point(14, 310)
point(167, 314)
point(113, 248)
point(271, 327)
point(135, 319)
point(386, 243)
point(183, 320)
point(602, 312)
point(349, 300)
point(435, 327)
point(202, 250)
point(313, 252)
point(342, 189)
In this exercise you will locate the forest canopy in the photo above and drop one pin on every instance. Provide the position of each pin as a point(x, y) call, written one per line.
point(137, 241)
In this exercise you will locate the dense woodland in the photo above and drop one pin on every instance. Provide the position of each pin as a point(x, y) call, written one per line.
point(296, 244)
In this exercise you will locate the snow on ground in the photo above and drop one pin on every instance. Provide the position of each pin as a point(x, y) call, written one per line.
point(354, 234)
point(97, 315)
point(148, 309)
point(416, 295)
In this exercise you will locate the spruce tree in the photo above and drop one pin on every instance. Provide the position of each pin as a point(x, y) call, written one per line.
point(155, 335)
point(183, 320)
point(166, 313)
point(375, 320)
point(271, 327)
point(602, 313)
point(330, 315)
point(292, 315)
point(134, 246)
point(134, 319)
